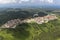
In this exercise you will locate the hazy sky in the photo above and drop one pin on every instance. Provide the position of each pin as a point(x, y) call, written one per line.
point(55, 2)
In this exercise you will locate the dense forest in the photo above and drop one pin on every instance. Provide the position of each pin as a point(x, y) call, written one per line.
point(29, 31)
point(10, 14)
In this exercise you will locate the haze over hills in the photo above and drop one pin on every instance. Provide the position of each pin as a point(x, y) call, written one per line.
point(30, 4)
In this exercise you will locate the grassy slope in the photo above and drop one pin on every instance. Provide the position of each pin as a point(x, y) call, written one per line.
point(33, 31)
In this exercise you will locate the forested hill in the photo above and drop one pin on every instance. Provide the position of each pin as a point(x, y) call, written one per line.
point(33, 31)
point(29, 31)
point(10, 14)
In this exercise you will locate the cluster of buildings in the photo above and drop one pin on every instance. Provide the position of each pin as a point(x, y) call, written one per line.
point(12, 23)
point(39, 20)
point(43, 19)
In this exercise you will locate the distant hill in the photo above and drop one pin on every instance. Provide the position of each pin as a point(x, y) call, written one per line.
point(9, 14)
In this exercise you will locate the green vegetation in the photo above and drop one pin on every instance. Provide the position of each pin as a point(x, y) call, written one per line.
point(10, 14)
point(31, 31)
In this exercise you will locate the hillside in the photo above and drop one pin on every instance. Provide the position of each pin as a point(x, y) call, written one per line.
point(33, 31)
point(29, 31)
point(10, 14)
